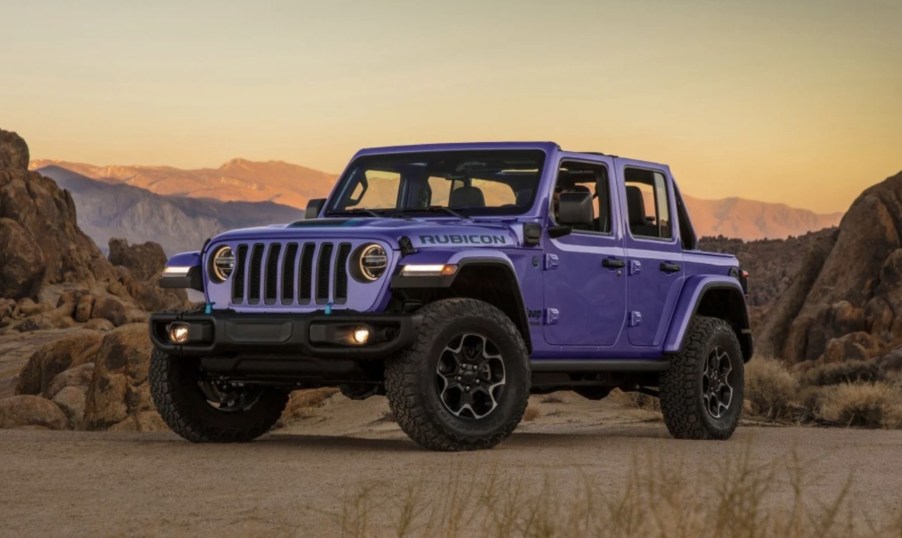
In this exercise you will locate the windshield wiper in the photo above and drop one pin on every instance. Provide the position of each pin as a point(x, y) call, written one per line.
point(356, 211)
point(434, 209)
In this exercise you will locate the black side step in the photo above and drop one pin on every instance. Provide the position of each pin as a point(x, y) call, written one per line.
point(595, 365)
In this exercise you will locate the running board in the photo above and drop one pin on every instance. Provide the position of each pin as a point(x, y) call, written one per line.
point(594, 365)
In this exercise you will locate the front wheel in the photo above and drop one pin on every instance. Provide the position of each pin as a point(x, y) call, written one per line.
point(206, 410)
point(464, 383)
point(702, 391)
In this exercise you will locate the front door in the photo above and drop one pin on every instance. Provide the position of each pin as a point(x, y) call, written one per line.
point(654, 254)
point(585, 286)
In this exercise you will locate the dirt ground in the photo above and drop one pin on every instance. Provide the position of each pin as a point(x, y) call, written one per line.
point(295, 481)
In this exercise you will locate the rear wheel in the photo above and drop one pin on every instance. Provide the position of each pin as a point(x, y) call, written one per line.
point(702, 391)
point(464, 383)
point(204, 410)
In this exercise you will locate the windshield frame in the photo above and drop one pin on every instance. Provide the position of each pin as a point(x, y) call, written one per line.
point(367, 160)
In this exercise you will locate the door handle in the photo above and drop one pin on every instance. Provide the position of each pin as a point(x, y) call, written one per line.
point(613, 263)
point(669, 267)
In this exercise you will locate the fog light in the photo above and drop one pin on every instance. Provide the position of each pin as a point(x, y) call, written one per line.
point(360, 335)
point(178, 333)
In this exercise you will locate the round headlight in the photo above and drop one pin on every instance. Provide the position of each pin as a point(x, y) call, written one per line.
point(222, 264)
point(370, 262)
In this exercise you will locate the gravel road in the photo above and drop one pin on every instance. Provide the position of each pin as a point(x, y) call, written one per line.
point(294, 482)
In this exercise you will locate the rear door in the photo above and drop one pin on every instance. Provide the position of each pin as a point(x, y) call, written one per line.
point(585, 290)
point(654, 256)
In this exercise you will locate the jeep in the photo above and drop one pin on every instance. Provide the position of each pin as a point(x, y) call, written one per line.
point(456, 280)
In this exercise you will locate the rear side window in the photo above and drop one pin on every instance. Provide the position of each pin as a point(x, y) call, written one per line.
point(648, 204)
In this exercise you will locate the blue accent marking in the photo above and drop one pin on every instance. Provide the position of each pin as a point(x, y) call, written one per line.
point(328, 309)
point(208, 308)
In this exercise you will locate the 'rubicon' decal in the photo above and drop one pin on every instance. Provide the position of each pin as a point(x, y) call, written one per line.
point(474, 239)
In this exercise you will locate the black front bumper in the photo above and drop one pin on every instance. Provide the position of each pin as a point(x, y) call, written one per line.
point(228, 333)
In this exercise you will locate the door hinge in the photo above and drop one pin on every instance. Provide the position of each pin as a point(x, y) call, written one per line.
point(551, 261)
point(635, 318)
point(551, 316)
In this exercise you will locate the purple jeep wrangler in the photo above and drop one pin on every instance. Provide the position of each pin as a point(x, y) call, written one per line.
point(456, 279)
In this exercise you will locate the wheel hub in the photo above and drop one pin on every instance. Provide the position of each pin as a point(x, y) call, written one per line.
point(717, 390)
point(470, 376)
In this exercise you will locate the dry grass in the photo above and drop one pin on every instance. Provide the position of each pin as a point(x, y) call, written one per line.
point(770, 389)
point(729, 498)
point(843, 372)
point(870, 405)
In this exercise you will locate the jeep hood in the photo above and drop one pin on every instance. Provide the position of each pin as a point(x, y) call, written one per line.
point(423, 233)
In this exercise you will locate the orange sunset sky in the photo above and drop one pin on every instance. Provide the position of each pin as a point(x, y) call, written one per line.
point(796, 102)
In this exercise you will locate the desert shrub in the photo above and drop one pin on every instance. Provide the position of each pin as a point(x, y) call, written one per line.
point(843, 372)
point(770, 388)
point(869, 405)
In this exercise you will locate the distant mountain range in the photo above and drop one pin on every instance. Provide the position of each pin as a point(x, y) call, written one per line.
point(170, 218)
point(178, 223)
point(236, 180)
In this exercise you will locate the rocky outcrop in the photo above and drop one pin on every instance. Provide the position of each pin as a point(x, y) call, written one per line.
point(46, 260)
point(846, 301)
point(118, 397)
point(143, 261)
point(40, 243)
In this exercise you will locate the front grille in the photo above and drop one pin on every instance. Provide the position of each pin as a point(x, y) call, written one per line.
point(291, 273)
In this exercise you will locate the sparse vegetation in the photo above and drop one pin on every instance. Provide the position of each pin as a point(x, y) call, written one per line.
point(730, 498)
point(770, 388)
point(870, 405)
point(843, 372)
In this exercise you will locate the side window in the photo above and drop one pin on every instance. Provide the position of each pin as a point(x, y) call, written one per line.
point(585, 177)
point(648, 204)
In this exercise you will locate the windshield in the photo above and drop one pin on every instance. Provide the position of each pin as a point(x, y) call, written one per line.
point(453, 183)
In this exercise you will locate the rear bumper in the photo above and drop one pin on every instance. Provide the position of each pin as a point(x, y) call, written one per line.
point(227, 333)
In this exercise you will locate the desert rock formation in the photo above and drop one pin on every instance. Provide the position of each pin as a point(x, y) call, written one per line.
point(846, 301)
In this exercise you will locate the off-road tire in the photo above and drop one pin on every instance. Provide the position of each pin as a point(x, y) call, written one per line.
point(184, 407)
point(682, 401)
point(411, 387)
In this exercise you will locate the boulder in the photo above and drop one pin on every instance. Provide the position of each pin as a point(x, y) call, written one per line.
point(79, 376)
point(144, 261)
point(54, 358)
point(109, 308)
point(119, 396)
point(28, 411)
point(71, 400)
point(83, 308)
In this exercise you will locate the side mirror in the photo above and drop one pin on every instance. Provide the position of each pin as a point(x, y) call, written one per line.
point(576, 209)
point(313, 208)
